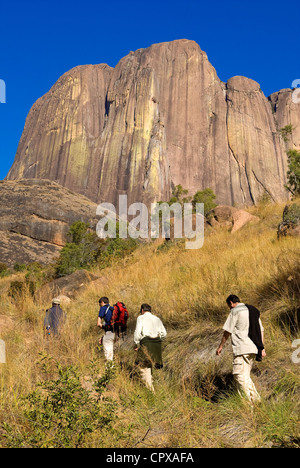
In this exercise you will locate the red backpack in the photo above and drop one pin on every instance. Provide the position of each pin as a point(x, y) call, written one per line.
point(119, 317)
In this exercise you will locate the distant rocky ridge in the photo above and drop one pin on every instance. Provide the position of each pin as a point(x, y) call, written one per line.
point(160, 118)
point(35, 217)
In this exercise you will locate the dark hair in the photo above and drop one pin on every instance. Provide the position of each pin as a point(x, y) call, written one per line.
point(104, 299)
point(232, 298)
point(146, 308)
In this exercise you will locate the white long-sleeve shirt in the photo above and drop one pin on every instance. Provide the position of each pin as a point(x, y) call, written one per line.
point(149, 325)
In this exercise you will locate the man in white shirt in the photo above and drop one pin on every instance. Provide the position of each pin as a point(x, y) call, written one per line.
point(245, 350)
point(148, 337)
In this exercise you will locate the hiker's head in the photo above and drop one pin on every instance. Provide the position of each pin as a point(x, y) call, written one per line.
point(103, 301)
point(145, 308)
point(56, 302)
point(232, 301)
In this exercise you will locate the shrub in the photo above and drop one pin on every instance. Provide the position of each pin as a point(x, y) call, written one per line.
point(286, 132)
point(3, 267)
point(16, 289)
point(207, 197)
point(293, 175)
point(20, 267)
point(61, 412)
point(83, 250)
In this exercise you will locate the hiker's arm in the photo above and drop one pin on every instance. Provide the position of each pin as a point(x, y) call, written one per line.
point(99, 323)
point(138, 333)
point(223, 342)
point(264, 354)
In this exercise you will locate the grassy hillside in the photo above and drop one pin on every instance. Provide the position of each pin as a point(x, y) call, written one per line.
point(195, 403)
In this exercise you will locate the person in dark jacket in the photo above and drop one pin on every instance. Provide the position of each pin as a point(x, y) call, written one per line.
point(104, 322)
point(54, 319)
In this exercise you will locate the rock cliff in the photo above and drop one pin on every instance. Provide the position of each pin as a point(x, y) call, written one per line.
point(35, 217)
point(160, 118)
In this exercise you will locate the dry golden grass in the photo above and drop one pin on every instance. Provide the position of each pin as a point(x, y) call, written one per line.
point(194, 405)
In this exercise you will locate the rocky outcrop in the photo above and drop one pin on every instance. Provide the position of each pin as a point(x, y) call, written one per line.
point(35, 217)
point(68, 286)
point(62, 130)
point(160, 118)
point(231, 218)
point(287, 113)
point(255, 145)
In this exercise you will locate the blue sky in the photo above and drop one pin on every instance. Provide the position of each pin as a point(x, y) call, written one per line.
point(41, 40)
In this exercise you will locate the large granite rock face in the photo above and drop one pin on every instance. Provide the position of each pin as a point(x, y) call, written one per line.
point(35, 217)
point(160, 118)
point(286, 112)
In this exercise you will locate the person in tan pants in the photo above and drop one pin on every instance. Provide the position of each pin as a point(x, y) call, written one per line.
point(245, 351)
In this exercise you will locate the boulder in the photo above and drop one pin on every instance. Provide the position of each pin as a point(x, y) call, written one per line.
point(68, 286)
point(231, 218)
point(35, 217)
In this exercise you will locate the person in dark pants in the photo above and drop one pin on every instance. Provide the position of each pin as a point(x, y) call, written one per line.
point(148, 337)
point(54, 319)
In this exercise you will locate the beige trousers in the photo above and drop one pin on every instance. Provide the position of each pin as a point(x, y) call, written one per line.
point(242, 366)
point(146, 375)
point(108, 345)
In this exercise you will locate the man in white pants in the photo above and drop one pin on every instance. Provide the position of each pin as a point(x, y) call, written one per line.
point(104, 322)
point(245, 351)
point(148, 337)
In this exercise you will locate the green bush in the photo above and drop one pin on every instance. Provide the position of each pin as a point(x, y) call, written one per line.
point(207, 197)
point(291, 214)
point(16, 289)
point(18, 267)
point(61, 412)
point(83, 250)
point(3, 267)
point(286, 132)
point(4, 271)
point(293, 175)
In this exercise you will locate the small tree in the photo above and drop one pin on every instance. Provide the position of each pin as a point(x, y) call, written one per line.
point(207, 197)
point(286, 132)
point(81, 252)
point(179, 195)
point(293, 174)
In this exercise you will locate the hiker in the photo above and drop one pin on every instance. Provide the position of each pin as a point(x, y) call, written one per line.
point(54, 318)
point(104, 322)
point(148, 337)
point(247, 335)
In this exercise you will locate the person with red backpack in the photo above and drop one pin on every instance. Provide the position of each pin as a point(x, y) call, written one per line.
point(113, 320)
point(104, 322)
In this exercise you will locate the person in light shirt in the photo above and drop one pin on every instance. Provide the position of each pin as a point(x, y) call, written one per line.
point(244, 327)
point(148, 337)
